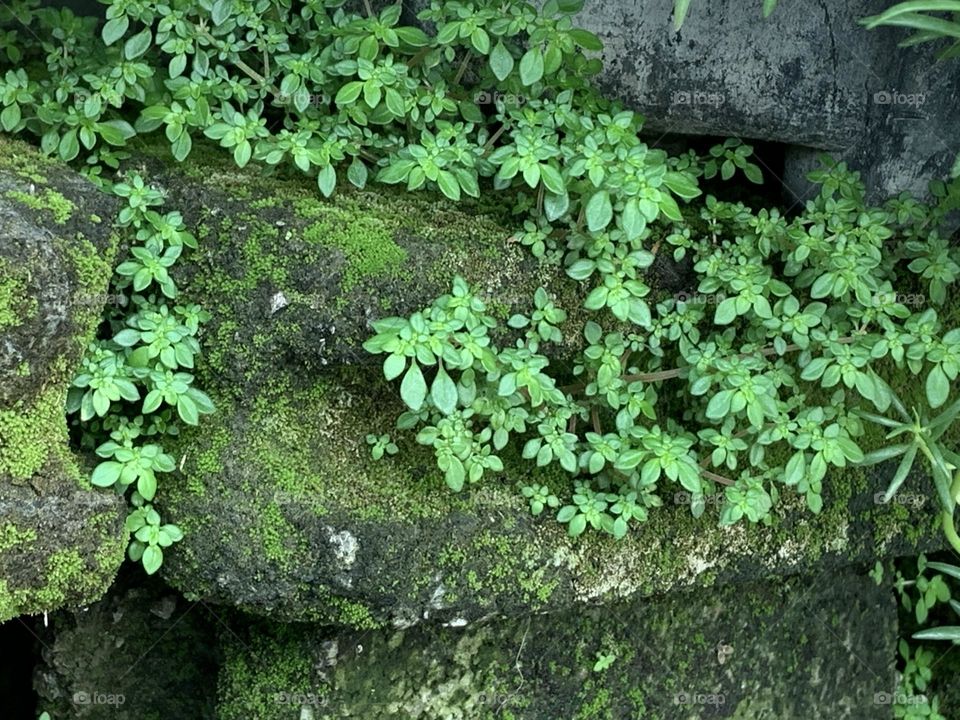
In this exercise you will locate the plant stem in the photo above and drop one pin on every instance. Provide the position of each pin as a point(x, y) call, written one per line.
point(462, 69)
point(249, 71)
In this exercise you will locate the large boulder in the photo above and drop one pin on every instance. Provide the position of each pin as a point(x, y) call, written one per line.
point(286, 514)
point(60, 542)
point(809, 76)
point(818, 646)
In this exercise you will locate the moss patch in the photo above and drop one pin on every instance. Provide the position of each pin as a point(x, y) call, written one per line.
point(48, 200)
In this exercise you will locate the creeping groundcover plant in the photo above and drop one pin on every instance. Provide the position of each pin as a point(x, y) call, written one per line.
point(771, 362)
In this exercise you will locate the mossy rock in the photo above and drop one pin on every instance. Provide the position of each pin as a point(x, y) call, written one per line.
point(803, 647)
point(286, 515)
point(140, 653)
point(292, 278)
point(60, 543)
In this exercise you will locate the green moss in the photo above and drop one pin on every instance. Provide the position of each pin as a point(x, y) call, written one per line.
point(16, 305)
point(277, 537)
point(67, 576)
point(266, 676)
point(366, 241)
point(59, 207)
point(32, 433)
point(11, 536)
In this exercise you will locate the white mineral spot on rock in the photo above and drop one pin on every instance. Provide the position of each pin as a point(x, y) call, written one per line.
point(436, 599)
point(278, 302)
point(345, 547)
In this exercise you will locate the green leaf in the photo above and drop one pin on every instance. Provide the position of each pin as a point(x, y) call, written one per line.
point(448, 184)
point(221, 11)
point(599, 211)
point(719, 405)
point(187, 410)
point(348, 93)
point(147, 485)
point(581, 269)
point(680, 8)
point(327, 180)
point(586, 39)
point(106, 473)
point(946, 632)
point(127, 337)
point(10, 117)
point(531, 66)
point(726, 312)
point(552, 179)
point(152, 559)
point(413, 389)
point(902, 471)
point(357, 173)
point(138, 44)
point(394, 366)
point(443, 392)
point(501, 61)
point(938, 387)
point(115, 29)
point(454, 475)
point(768, 7)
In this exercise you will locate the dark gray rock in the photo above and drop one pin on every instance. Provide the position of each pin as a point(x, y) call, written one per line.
point(140, 653)
point(810, 646)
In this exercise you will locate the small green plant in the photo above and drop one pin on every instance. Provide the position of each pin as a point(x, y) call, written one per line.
point(927, 594)
point(919, 433)
point(604, 661)
point(777, 351)
point(135, 384)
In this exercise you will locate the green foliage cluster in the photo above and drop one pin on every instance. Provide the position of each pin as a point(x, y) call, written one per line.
point(135, 384)
point(760, 368)
point(766, 367)
point(927, 596)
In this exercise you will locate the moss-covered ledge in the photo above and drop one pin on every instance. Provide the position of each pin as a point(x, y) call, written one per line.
point(818, 646)
point(286, 515)
point(60, 542)
point(291, 277)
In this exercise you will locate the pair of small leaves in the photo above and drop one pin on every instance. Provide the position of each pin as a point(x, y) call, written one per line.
point(413, 388)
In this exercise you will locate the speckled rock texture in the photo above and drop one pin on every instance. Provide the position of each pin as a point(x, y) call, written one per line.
point(807, 647)
point(60, 542)
point(140, 653)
